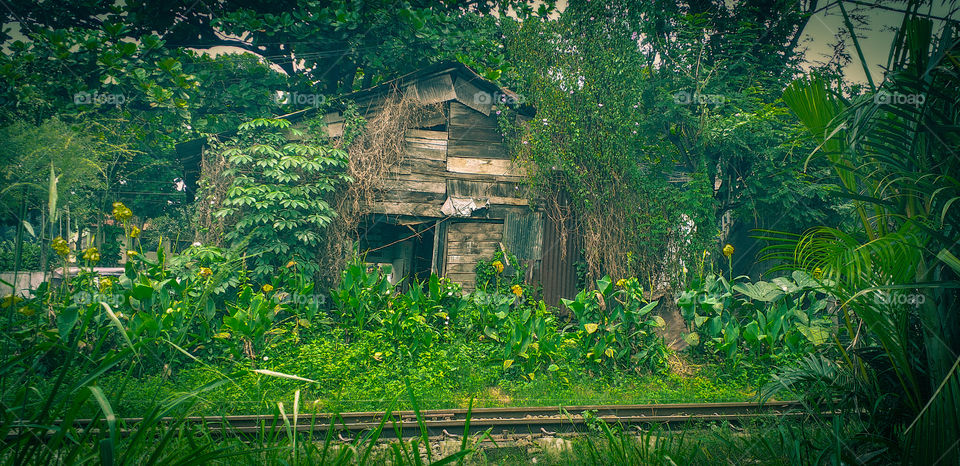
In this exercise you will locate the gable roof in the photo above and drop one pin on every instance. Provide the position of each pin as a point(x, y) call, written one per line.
point(440, 82)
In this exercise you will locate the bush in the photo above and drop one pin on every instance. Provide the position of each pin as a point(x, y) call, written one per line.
point(769, 320)
point(30, 254)
point(615, 328)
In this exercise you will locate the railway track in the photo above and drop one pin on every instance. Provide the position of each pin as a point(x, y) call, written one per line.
point(501, 421)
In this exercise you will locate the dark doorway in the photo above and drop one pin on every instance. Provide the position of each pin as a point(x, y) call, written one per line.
point(422, 253)
point(407, 249)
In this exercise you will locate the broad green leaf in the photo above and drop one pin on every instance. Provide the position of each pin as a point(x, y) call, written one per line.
point(816, 334)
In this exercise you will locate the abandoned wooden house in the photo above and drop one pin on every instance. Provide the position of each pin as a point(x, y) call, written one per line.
point(457, 196)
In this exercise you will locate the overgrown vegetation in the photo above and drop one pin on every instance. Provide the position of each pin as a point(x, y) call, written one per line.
point(658, 136)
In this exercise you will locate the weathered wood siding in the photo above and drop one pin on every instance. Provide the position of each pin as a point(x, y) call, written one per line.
point(468, 159)
point(459, 152)
point(467, 243)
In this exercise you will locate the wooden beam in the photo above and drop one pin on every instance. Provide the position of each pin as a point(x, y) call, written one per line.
point(483, 166)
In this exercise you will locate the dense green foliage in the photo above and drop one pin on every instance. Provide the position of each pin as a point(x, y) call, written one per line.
point(655, 132)
point(761, 320)
point(661, 126)
point(896, 270)
point(276, 201)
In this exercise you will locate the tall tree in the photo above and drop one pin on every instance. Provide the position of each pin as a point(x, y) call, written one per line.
point(628, 94)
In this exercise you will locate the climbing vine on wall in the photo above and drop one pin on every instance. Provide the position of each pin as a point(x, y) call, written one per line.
point(588, 159)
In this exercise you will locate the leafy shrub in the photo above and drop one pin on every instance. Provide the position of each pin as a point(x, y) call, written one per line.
point(501, 273)
point(529, 335)
point(614, 328)
point(112, 248)
point(29, 255)
point(276, 201)
point(768, 319)
point(361, 293)
point(224, 267)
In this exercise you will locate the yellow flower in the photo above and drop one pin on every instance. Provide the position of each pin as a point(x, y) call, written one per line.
point(121, 212)
point(132, 253)
point(622, 282)
point(817, 273)
point(728, 250)
point(221, 336)
point(10, 300)
point(105, 283)
point(60, 246)
point(134, 231)
point(291, 263)
point(91, 254)
point(517, 290)
point(498, 266)
point(205, 271)
point(267, 288)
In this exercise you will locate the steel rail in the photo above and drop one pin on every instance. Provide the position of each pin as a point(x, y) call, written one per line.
point(537, 420)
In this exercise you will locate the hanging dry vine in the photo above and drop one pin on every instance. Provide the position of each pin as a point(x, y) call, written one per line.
point(375, 145)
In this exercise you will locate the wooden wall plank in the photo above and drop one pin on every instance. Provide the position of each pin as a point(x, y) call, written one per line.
point(485, 188)
point(491, 150)
point(406, 208)
point(401, 184)
point(476, 227)
point(461, 115)
point(468, 243)
point(466, 258)
point(412, 197)
point(483, 166)
point(424, 165)
point(475, 133)
point(414, 134)
point(425, 152)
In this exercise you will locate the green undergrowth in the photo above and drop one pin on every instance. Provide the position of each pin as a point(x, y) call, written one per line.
point(349, 377)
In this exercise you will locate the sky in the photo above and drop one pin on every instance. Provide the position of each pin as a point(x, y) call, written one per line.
point(875, 38)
